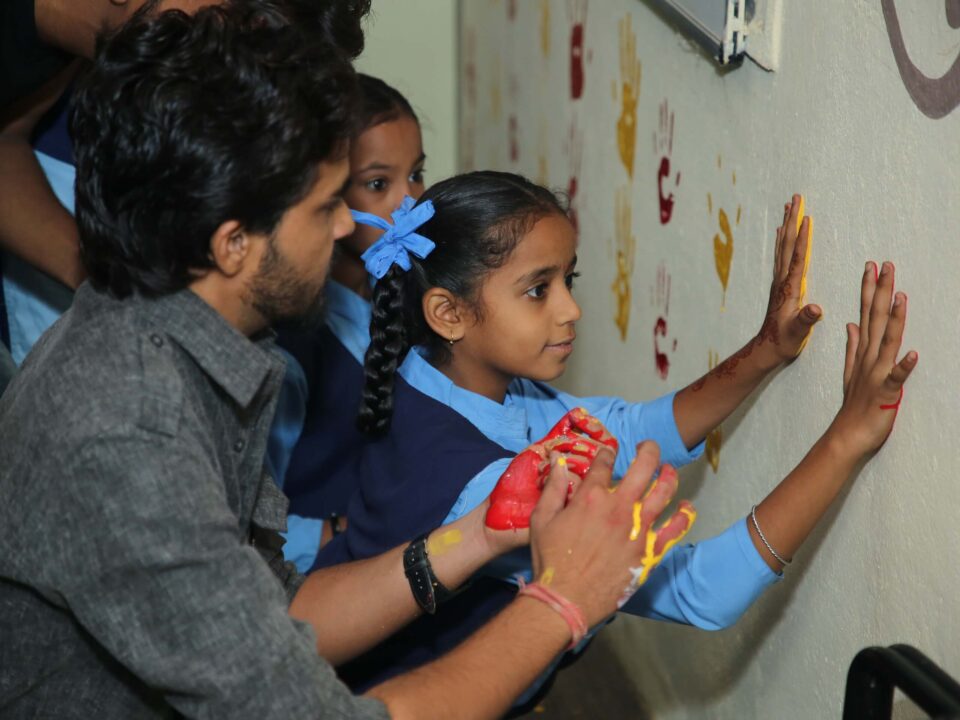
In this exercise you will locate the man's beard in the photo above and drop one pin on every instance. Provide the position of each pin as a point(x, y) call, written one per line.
point(282, 297)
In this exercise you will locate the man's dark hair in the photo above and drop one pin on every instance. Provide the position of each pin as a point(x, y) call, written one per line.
point(186, 122)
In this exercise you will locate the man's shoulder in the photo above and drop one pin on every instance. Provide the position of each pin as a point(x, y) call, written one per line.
point(109, 372)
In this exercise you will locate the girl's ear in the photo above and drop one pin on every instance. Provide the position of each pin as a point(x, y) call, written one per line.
point(230, 248)
point(444, 314)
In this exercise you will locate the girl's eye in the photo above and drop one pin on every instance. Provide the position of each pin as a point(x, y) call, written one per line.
point(376, 185)
point(537, 292)
point(416, 176)
point(569, 279)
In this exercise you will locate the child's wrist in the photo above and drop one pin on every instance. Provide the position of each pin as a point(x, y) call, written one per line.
point(767, 356)
point(841, 441)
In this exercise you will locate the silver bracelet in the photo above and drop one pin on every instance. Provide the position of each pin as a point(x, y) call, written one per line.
point(753, 516)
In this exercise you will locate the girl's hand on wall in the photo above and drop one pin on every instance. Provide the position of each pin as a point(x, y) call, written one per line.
point(788, 322)
point(872, 378)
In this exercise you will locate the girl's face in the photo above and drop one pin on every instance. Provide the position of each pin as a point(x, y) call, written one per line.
point(386, 163)
point(526, 323)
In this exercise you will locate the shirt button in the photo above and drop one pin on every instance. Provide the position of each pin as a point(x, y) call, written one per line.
point(156, 340)
point(239, 445)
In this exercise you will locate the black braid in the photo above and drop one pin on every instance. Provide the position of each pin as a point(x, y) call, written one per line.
point(388, 347)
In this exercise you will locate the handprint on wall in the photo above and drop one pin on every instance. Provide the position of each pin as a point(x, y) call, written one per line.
point(577, 14)
point(661, 301)
point(543, 173)
point(495, 95)
point(545, 28)
point(723, 240)
point(663, 145)
point(574, 155)
point(511, 10)
point(625, 253)
point(715, 436)
point(629, 94)
point(512, 135)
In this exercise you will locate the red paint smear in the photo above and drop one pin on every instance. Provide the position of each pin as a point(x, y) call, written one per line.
point(571, 198)
point(666, 203)
point(896, 405)
point(576, 61)
point(514, 144)
point(661, 359)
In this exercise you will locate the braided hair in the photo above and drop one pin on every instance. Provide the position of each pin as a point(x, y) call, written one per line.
point(479, 219)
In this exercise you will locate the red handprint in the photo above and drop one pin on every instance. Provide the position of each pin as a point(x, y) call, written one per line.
point(514, 142)
point(663, 144)
point(662, 300)
point(578, 436)
point(575, 155)
point(577, 13)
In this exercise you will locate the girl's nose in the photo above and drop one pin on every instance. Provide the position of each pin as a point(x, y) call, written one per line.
point(570, 312)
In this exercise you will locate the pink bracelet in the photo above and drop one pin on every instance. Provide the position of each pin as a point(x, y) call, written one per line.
point(571, 614)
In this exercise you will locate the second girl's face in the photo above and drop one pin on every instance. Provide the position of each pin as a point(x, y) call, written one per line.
point(526, 324)
point(386, 163)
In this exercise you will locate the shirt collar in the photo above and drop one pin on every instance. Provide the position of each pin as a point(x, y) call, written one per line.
point(237, 364)
point(343, 302)
point(505, 424)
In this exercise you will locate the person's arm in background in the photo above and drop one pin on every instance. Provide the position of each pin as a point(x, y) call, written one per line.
point(33, 224)
point(584, 552)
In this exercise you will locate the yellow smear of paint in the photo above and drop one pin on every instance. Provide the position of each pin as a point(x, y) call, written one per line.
point(710, 204)
point(806, 267)
point(547, 576)
point(440, 543)
point(562, 462)
point(651, 559)
point(637, 509)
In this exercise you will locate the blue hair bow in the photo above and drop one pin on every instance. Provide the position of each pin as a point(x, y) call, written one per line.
point(399, 240)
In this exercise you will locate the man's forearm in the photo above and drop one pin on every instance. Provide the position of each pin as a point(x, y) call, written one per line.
point(354, 606)
point(483, 675)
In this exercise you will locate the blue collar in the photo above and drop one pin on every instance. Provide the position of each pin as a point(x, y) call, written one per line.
point(505, 424)
point(348, 317)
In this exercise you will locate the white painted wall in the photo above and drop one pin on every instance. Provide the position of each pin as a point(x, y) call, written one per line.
point(883, 182)
point(412, 45)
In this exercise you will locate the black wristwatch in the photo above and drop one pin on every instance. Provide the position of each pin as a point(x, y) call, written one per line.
point(427, 590)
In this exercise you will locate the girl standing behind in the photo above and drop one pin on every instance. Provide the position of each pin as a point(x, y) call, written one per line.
point(314, 440)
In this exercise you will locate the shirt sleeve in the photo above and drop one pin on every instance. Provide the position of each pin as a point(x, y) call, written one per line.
point(629, 422)
point(288, 420)
point(708, 585)
point(151, 565)
point(303, 541)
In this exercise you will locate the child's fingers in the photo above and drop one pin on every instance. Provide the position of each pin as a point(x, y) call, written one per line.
point(853, 341)
point(790, 238)
point(554, 493)
point(880, 312)
point(893, 334)
point(867, 288)
point(601, 471)
point(798, 258)
point(635, 482)
point(901, 371)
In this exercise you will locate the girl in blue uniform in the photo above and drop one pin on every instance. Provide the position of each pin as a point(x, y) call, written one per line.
point(314, 440)
point(473, 314)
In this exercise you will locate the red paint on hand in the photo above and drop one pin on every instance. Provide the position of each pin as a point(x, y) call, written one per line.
point(578, 436)
point(896, 405)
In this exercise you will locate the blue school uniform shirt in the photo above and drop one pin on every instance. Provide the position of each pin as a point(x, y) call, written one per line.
point(447, 448)
point(313, 440)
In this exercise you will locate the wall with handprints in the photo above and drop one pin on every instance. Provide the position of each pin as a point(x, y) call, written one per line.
point(677, 172)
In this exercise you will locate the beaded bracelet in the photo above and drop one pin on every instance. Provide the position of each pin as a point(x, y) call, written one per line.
point(571, 614)
point(753, 516)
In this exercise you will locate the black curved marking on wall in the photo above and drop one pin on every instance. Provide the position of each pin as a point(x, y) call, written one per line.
point(936, 97)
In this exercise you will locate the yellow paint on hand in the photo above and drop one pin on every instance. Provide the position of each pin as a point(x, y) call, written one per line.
point(806, 267)
point(650, 558)
point(637, 526)
point(561, 462)
point(439, 543)
point(547, 577)
point(715, 436)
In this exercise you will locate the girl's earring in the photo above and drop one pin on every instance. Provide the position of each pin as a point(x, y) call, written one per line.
point(451, 339)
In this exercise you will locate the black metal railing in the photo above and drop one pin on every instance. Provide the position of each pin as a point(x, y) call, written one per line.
point(876, 671)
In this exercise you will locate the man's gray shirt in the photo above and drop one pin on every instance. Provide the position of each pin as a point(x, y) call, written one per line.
point(141, 572)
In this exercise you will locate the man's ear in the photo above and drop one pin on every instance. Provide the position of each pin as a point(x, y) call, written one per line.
point(231, 248)
point(445, 314)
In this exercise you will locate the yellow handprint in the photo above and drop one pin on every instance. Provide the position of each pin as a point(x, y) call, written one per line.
point(715, 436)
point(626, 250)
point(545, 28)
point(630, 73)
point(723, 247)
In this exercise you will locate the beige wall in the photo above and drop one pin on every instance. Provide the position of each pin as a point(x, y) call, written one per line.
point(882, 180)
point(412, 45)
